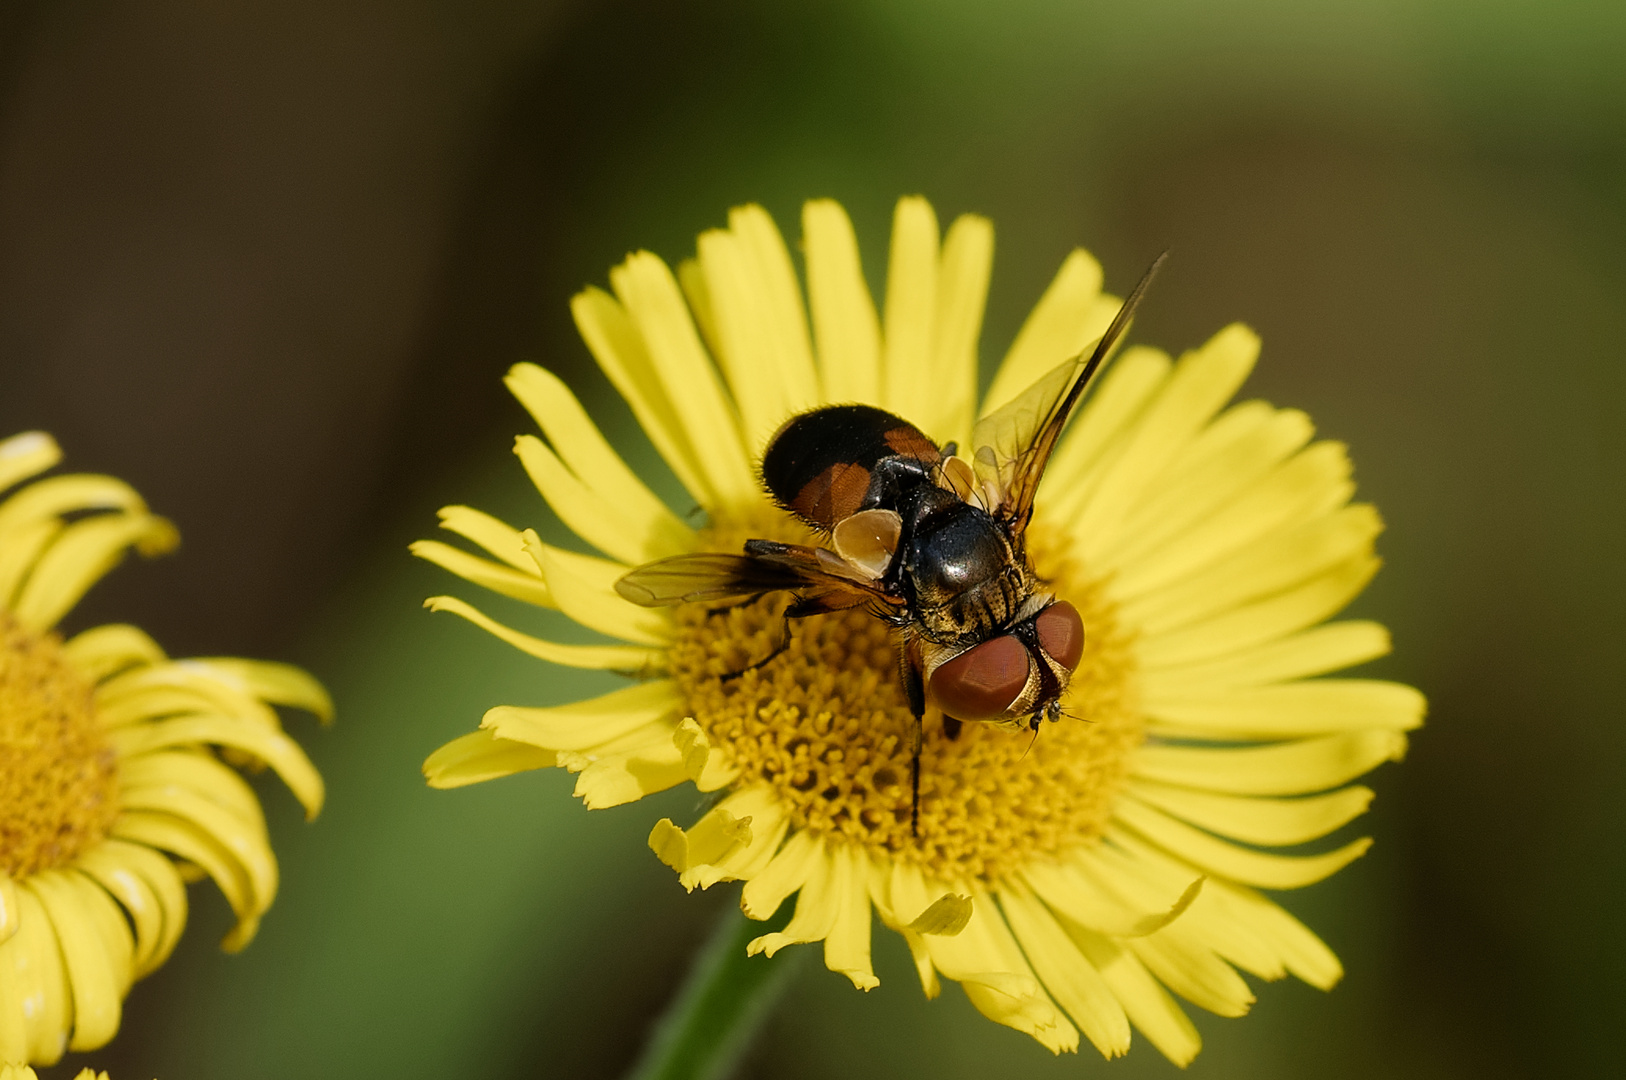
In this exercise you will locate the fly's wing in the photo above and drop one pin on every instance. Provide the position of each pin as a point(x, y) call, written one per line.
point(685, 579)
point(1013, 444)
point(766, 566)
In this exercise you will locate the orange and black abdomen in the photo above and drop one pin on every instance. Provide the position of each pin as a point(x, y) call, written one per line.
point(828, 464)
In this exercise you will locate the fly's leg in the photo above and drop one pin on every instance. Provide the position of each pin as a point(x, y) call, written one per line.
point(773, 654)
point(914, 687)
point(798, 609)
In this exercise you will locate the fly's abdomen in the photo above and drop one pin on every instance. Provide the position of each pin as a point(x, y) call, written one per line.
point(828, 464)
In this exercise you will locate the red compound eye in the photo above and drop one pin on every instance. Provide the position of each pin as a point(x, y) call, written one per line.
point(1061, 633)
point(982, 682)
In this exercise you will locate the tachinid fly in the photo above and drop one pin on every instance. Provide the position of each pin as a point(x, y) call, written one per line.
point(933, 545)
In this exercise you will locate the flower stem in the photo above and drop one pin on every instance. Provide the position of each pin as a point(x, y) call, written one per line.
point(725, 1000)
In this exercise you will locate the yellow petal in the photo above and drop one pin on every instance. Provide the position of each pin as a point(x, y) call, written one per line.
point(1310, 652)
point(105, 650)
point(613, 528)
point(761, 328)
point(272, 747)
point(25, 455)
point(682, 369)
point(948, 915)
point(716, 838)
point(140, 696)
point(584, 588)
point(19, 550)
point(1061, 324)
point(619, 349)
point(911, 308)
point(846, 947)
point(769, 820)
point(1255, 820)
point(1308, 486)
point(988, 964)
point(1072, 887)
point(1125, 388)
point(1149, 1007)
point(480, 756)
point(10, 913)
point(1187, 965)
point(280, 684)
point(962, 293)
point(181, 686)
point(1202, 382)
point(582, 725)
point(845, 325)
point(1227, 458)
point(1256, 622)
point(13, 1026)
point(692, 280)
point(1290, 768)
point(886, 900)
point(245, 842)
point(151, 892)
point(94, 975)
point(32, 963)
point(1231, 919)
point(702, 763)
point(79, 557)
point(1274, 565)
point(196, 771)
point(582, 447)
point(526, 585)
point(630, 658)
point(626, 774)
point(497, 537)
point(1298, 949)
point(817, 905)
point(60, 495)
point(187, 841)
point(1071, 979)
point(783, 875)
point(1220, 857)
point(1311, 707)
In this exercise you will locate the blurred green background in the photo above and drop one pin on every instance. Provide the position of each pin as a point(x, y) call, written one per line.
point(268, 262)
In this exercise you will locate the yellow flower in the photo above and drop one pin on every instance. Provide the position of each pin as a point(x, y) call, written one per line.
point(111, 792)
point(1073, 881)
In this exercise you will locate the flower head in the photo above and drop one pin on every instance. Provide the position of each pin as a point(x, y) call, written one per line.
point(114, 783)
point(1069, 881)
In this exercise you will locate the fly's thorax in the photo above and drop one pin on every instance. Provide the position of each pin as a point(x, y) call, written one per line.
point(963, 575)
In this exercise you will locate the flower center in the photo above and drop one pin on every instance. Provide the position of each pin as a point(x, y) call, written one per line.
point(826, 723)
point(58, 772)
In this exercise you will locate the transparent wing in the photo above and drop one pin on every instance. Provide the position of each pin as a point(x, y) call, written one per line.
point(1012, 445)
point(684, 579)
point(767, 566)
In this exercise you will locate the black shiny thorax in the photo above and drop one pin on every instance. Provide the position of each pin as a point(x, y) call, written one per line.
point(963, 577)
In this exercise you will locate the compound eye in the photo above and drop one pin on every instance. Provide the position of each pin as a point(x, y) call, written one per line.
point(984, 681)
point(1061, 633)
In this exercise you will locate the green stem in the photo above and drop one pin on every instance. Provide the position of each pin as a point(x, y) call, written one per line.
point(722, 1004)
